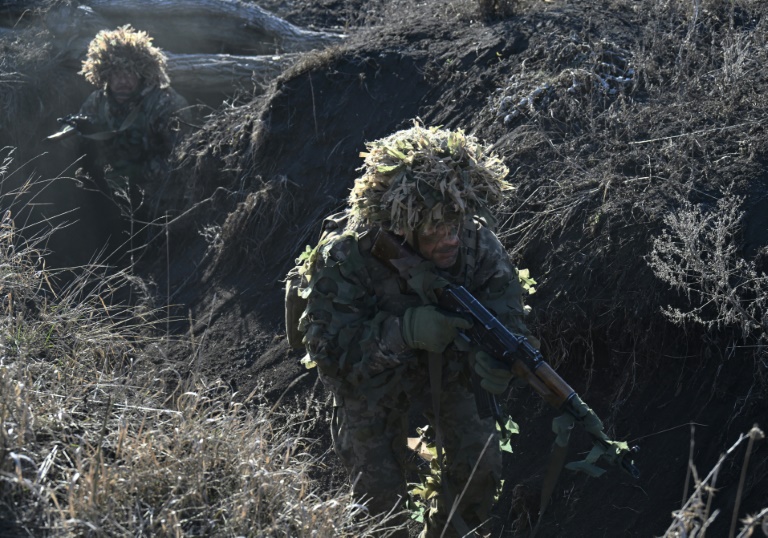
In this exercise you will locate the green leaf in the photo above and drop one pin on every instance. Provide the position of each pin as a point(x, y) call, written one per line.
point(388, 169)
point(528, 283)
point(505, 439)
point(395, 153)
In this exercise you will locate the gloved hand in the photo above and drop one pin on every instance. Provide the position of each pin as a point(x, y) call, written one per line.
point(83, 124)
point(431, 328)
point(495, 376)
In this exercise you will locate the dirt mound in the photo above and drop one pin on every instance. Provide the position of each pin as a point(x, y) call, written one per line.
point(634, 131)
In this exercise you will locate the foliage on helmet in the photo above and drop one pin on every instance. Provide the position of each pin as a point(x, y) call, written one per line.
point(419, 177)
point(124, 49)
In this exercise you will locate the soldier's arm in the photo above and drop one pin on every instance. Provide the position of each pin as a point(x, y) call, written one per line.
point(346, 334)
point(170, 121)
point(497, 285)
point(90, 108)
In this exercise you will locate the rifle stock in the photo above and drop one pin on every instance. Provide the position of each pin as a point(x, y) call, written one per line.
point(523, 359)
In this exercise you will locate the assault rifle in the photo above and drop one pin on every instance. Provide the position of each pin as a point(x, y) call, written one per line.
point(523, 359)
point(77, 124)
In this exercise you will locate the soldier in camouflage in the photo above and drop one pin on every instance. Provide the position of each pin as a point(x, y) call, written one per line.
point(133, 121)
point(370, 332)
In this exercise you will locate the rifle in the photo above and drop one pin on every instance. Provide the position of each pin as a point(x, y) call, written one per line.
point(77, 124)
point(523, 359)
point(72, 124)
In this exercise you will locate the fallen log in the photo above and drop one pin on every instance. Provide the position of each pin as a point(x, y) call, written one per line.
point(222, 73)
point(192, 26)
point(214, 47)
point(191, 74)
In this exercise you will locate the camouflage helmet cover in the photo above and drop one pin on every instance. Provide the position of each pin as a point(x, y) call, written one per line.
point(419, 177)
point(124, 49)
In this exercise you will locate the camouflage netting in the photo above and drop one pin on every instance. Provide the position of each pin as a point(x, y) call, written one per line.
point(420, 176)
point(124, 49)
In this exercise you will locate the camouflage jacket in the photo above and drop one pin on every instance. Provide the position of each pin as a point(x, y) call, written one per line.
point(141, 139)
point(352, 323)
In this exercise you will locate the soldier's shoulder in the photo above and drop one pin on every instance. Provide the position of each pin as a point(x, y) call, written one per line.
point(93, 102)
point(176, 100)
point(166, 99)
point(340, 246)
point(96, 95)
point(486, 238)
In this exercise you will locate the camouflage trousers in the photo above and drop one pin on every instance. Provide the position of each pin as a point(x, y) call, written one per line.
point(372, 444)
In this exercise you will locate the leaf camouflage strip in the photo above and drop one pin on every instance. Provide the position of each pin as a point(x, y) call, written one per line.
point(420, 176)
point(124, 49)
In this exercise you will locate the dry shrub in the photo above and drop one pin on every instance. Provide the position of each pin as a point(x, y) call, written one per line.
point(217, 155)
point(252, 233)
point(96, 440)
point(698, 255)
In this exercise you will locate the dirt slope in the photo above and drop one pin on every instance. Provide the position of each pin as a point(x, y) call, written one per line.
point(599, 154)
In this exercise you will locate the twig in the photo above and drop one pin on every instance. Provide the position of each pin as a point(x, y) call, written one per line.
point(289, 387)
point(196, 358)
point(688, 472)
point(638, 142)
point(754, 433)
point(669, 430)
point(466, 485)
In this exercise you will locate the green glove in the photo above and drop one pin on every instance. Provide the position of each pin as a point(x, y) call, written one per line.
point(495, 374)
point(430, 328)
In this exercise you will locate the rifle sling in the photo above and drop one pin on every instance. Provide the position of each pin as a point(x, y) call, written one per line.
point(556, 463)
point(436, 383)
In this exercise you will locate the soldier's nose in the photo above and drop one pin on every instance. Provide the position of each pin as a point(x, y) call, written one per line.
point(451, 238)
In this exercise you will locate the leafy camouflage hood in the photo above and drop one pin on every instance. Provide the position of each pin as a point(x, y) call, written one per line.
point(124, 49)
point(418, 177)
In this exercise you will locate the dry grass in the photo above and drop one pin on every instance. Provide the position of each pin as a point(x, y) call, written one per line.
point(96, 440)
point(696, 515)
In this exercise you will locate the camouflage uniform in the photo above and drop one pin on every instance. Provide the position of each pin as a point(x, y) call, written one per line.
point(129, 136)
point(144, 132)
point(352, 331)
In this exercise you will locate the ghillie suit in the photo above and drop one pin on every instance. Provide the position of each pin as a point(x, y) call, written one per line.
point(354, 324)
point(130, 142)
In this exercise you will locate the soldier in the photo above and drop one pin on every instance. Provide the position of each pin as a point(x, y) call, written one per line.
point(371, 333)
point(132, 122)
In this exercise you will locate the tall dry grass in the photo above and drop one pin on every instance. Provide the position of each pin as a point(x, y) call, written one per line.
point(696, 515)
point(98, 438)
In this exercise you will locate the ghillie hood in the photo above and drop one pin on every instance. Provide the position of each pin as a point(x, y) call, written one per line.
point(418, 177)
point(124, 49)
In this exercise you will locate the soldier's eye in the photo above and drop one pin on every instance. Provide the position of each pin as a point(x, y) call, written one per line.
point(444, 230)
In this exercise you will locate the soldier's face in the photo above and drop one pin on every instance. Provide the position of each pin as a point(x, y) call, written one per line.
point(123, 85)
point(439, 244)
